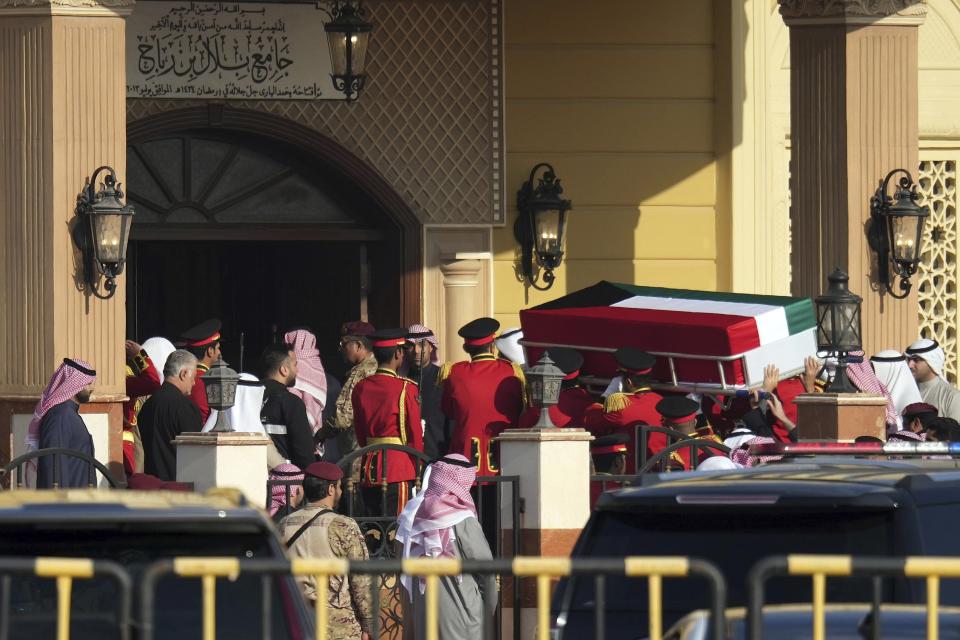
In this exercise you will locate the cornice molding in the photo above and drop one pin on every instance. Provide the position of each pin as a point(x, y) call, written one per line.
point(904, 12)
point(67, 7)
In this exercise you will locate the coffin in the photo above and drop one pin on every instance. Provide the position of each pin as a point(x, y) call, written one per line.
point(703, 340)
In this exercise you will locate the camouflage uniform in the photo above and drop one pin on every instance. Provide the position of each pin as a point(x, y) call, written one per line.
point(343, 420)
point(334, 536)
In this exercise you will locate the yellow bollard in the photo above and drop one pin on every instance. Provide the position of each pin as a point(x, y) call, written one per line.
point(433, 617)
point(819, 600)
point(933, 607)
point(322, 605)
point(655, 605)
point(64, 585)
point(209, 584)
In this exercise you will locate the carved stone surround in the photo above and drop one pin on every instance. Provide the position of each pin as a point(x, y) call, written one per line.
point(67, 7)
point(853, 11)
point(430, 119)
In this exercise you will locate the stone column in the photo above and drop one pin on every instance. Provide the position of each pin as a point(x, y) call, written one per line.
point(234, 460)
point(853, 69)
point(553, 466)
point(62, 115)
point(461, 285)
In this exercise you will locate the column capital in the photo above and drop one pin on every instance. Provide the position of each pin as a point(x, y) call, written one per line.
point(97, 8)
point(853, 12)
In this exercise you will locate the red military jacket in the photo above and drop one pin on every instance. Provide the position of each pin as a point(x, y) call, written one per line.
point(142, 380)
point(386, 410)
point(482, 397)
point(620, 412)
point(198, 394)
point(568, 412)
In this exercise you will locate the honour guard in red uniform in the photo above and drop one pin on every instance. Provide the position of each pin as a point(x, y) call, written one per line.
point(386, 410)
point(680, 413)
point(202, 341)
point(636, 404)
point(574, 399)
point(482, 397)
point(142, 380)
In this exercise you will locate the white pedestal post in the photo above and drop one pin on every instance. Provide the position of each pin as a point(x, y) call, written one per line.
point(236, 460)
point(553, 466)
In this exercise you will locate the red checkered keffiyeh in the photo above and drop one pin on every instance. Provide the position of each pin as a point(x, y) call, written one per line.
point(741, 455)
point(863, 376)
point(278, 492)
point(311, 384)
point(67, 381)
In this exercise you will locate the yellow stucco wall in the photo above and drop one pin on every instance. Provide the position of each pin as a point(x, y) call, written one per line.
point(619, 96)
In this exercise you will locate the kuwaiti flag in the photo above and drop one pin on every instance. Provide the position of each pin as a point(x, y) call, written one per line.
point(742, 332)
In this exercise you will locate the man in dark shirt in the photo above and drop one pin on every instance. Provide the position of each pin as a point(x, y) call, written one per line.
point(57, 424)
point(168, 413)
point(422, 366)
point(284, 415)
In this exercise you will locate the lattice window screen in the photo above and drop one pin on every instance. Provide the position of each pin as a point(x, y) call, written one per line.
point(938, 267)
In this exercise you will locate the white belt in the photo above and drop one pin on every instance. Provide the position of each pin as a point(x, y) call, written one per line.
point(275, 429)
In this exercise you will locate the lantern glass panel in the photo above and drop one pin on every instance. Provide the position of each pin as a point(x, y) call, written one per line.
point(825, 337)
point(548, 232)
point(551, 391)
point(905, 232)
point(849, 326)
point(337, 43)
point(359, 42)
point(536, 389)
point(109, 235)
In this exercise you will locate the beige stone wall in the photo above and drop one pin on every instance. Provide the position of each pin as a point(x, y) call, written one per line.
point(62, 115)
point(619, 97)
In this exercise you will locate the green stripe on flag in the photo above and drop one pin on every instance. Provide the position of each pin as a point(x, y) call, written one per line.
point(799, 311)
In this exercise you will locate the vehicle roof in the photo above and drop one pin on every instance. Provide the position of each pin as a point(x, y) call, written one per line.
point(110, 505)
point(868, 482)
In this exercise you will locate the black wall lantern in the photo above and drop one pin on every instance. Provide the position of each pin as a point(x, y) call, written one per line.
point(838, 327)
point(347, 37)
point(540, 226)
point(896, 231)
point(103, 231)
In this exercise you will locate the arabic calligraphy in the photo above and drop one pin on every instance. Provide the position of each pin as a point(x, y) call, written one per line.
point(227, 50)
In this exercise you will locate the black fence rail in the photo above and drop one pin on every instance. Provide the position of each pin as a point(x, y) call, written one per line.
point(820, 567)
point(543, 570)
point(493, 496)
point(14, 468)
point(65, 571)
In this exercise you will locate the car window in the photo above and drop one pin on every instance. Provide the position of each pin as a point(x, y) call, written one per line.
point(732, 540)
point(178, 601)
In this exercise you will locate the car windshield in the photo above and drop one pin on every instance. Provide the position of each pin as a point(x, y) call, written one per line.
point(733, 540)
point(177, 612)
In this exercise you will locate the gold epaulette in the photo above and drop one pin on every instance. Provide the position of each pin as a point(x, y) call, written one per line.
point(518, 372)
point(444, 372)
point(412, 381)
point(615, 402)
point(819, 385)
point(138, 364)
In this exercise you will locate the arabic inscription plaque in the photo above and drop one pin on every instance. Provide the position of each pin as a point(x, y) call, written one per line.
point(220, 50)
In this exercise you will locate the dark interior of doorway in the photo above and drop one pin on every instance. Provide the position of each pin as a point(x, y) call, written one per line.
point(258, 289)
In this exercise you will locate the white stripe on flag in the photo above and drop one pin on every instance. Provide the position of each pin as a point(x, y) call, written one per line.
point(771, 320)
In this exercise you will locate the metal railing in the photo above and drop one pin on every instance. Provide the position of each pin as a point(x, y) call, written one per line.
point(93, 466)
point(654, 569)
point(820, 567)
point(693, 444)
point(65, 571)
point(378, 530)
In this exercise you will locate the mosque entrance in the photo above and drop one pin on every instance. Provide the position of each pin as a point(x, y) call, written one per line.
point(265, 225)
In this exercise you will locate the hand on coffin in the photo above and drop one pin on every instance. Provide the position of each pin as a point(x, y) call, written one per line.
point(771, 377)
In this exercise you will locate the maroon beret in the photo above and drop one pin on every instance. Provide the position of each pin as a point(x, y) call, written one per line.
point(917, 408)
point(324, 471)
point(356, 328)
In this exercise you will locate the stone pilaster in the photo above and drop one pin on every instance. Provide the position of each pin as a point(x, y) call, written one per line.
point(853, 119)
point(62, 115)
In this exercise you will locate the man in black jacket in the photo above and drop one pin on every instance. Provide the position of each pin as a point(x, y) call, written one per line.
point(284, 415)
point(168, 413)
point(422, 366)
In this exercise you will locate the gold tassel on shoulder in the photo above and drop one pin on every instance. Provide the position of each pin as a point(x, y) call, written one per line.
point(403, 414)
point(444, 372)
point(518, 372)
point(615, 402)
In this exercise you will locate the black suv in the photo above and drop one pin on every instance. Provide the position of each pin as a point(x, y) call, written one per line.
point(136, 529)
point(735, 518)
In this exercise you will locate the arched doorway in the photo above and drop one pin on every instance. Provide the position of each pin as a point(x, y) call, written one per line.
point(266, 224)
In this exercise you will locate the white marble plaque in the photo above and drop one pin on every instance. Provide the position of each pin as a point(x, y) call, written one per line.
point(222, 50)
